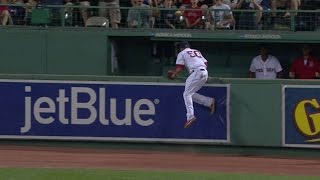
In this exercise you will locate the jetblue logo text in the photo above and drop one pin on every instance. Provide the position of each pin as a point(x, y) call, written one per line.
point(66, 106)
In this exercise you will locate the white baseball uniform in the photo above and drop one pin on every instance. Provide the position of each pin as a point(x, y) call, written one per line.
point(193, 60)
point(265, 69)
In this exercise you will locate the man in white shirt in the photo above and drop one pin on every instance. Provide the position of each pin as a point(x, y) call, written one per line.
point(196, 64)
point(265, 66)
point(221, 15)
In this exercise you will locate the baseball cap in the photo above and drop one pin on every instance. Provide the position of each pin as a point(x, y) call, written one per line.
point(184, 44)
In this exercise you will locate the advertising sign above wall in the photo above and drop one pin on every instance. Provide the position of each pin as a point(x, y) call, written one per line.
point(109, 111)
point(301, 116)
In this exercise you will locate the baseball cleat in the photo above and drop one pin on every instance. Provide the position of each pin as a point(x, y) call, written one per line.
point(189, 122)
point(212, 106)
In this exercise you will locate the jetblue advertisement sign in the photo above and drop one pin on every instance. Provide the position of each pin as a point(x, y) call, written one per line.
point(301, 116)
point(115, 111)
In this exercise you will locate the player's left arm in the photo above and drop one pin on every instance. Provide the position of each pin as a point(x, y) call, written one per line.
point(173, 73)
point(179, 69)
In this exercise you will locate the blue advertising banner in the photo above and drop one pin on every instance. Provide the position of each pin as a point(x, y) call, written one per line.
point(110, 111)
point(301, 116)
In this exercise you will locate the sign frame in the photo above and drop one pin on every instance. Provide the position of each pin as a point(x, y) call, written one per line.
point(123, 139)
point(284, 144)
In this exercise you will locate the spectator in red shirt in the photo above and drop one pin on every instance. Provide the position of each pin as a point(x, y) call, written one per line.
point(4, 13)
point(193, 15)
point(306, 66)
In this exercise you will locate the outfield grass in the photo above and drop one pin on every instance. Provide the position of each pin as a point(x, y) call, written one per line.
point(81, 174)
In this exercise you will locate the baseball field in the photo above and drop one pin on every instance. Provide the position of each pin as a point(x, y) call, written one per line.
point(37, 162)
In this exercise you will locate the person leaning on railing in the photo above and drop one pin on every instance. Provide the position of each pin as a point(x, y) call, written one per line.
point(220, 16)
point(258, 5)
point(193, 15)
point(151, 3)
point(285, 4)
point(84, 10)
point(167, 16)
point(139, 15)
point(17, 12)
point(4, 13)
point(113, 13)
point(30, 5)
point(231, 3)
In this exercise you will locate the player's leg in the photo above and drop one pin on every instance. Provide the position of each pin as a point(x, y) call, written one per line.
point(190, 88)
point(201, 99)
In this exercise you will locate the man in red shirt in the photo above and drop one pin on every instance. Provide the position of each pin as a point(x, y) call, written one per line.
point(306, 66)
point(193, 15)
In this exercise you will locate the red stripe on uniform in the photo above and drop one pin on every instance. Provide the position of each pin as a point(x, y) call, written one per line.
point(180, 66)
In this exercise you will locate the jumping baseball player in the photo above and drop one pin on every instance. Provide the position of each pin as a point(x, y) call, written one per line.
point(196, 64)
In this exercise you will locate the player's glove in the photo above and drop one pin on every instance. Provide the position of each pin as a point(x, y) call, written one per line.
point(171, 74)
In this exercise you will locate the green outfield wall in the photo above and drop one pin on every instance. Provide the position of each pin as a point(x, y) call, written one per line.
point(88, 51)
point(78, 54)
point(255, 105)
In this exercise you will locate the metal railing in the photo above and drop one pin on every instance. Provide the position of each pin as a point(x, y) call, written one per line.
point(161, 18)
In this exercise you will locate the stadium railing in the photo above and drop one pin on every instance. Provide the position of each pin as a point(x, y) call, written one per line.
point(73, 16)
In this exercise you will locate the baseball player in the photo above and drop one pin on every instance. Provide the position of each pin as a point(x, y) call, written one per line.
point(265, 66)
point(196, 64)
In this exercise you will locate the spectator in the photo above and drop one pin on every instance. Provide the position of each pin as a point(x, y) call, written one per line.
point(231, 3)
point(161, 3)
point(220, 15)
point(243, 4)
point(30, 5)
point(5, 17)
point(151, 3)
point(285, 4)
point(254, 5)
point(205, 3)
point(68, 12)
point(265, 66)
point(114, 13)
point(17, 13)
point(193, 15)
point(167, 17)
point(184, 3)
point(259, 5)
point(139, 17)
point(84, 11)
point(306, 66)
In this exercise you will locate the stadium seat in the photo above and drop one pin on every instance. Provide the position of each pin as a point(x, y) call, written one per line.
point(40, 16)
point(97, 21)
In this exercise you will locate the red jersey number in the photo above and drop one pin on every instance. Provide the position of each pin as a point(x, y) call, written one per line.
point(195, 54)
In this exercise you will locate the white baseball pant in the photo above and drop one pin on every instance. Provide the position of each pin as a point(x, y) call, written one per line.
point(194, 83)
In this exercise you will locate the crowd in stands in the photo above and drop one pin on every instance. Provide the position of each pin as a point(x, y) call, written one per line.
point(186, 14)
